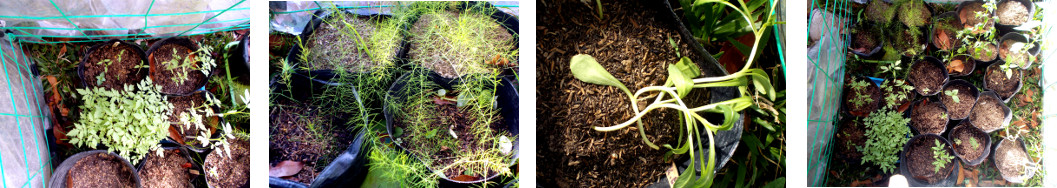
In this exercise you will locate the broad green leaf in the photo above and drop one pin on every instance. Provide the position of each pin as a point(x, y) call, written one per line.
point(586, 69)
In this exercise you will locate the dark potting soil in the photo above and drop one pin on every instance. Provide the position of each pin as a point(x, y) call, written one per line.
point(944, 32)
point(100, 170)
point(1012, 13)
point(298, 133)
point(920, 158)
point(851, 135)
point(1010, 158)
point(965, 133)
point(968, 16)
point(331, 49)
point(928, 117)
point(1015, 57)
point(987, 114)
point(448, 63)
point(986, 53)
point(169, 171)
point(231, 171)
point(965, 103)
point(871, 91)
point(926, 75)
point(875, 11)
point(1002, 85)
point(164, 77)
point(119, 73)
point(449, 116)
point(181, 105)
point(865, 41)
point(632, 44)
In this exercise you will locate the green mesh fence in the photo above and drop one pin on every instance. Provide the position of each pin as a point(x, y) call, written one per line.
point(24, 152)
point(92, 34)
point(825, 77)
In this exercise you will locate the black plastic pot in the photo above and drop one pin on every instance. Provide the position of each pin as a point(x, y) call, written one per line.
point(239, 61)
point(849, 97)
point(983, 62)
point(1020, 82)
point(958, 10)
point(904, 168)
point(936, 22)
point(968, 63)
point(155, 67)
point(1002, 28)
point(935, 63)
point(1017, 37)
point(726, 141)
point(317, 20)
point(281, 183)
point(1008, 113)
point(986, 143)
point(1009, 177)
point(141, 73)
point(168, 145)
point(910, 113)
point(972, 90)
point(58, 177)
point(506, 101)
point(349, 168)
point(876, 51)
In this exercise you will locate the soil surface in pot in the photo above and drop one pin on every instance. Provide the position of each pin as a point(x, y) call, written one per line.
point(960, 65)
point(865, 41)
point(871, 92)
point(928, 117)
point(433, 35)
point(459, 121)
point(945, 31)
point(233, 170)
point(299, 134)
point(1010, 158)
point(851, 135)
point(969, 19)
point(965, 134)
point(920, 158)
point(988, 113)
point(632, 44)
point(1012, 13)
point(168, 79)
point(985, 53)
point(170, 171)
point(100, 170)
point(963, 106)
point(1004, 86)
point(1017, 57)
point(926, 76)
point(119, 73)
point(181, 105)
point(330, 48)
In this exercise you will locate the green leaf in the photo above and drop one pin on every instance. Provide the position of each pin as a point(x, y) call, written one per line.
point(586, 69)
point(777, 183)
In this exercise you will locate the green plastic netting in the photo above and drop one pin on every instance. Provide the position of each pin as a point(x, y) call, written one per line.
point(825, 76)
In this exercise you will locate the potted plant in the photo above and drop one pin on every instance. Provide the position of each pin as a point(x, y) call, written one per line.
point(915, 13)
point(886, 131)
point(1016, 51)
point(471, 37)
point(959, 96)
point(128, 122)
point(970, 144)
point(96, 168)
point(961, 65)
point(231, 168)
point(975, 16)
point(464, 134)
point(908, 41)
point(877, 11)
point(852, 135)
point(168, 166)
point(1012, 161)
point(944, 30)
point(983, 52)
point(341, 40)
point(928, 76)
point(1013, 13)
point(112, 65)
point(867, 40)
point(179, 65)
point(863, 96)
point(929, 161)
point(195, 119)
point(928, 117)
point(897, 94)
point(990, 113)
point(1006, 82)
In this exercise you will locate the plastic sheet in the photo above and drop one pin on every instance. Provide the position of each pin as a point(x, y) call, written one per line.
point(104, 18)
point(825, 75)
point(24, 151)
point(291, 17)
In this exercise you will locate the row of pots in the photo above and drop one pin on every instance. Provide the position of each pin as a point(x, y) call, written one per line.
point(100, 168)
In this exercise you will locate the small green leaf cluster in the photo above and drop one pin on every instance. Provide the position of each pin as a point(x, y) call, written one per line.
point(896, 90)
point(862, 96)
point(99, 79)
point(974, 143)
point(196, 116)
point(953, 94)
point(941, 156)
point(886, 133)
point(178, 66)
point(128, 122)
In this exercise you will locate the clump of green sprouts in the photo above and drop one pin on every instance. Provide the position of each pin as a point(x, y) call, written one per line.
point(180, 67)
point(941, 156)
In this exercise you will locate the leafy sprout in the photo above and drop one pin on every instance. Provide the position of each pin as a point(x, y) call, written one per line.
point(862, 96)
point(886, 133)
point(128, 122)
point(953, 94)
point(941, 156)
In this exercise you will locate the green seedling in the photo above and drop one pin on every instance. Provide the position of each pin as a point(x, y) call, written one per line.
point(974, 143)
point(896, 90)
point(179, 66)
point(861, 94)
point(886, 132)
point(127, 122)
point(99, 79)
point(939, 153)
point(953, 94)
